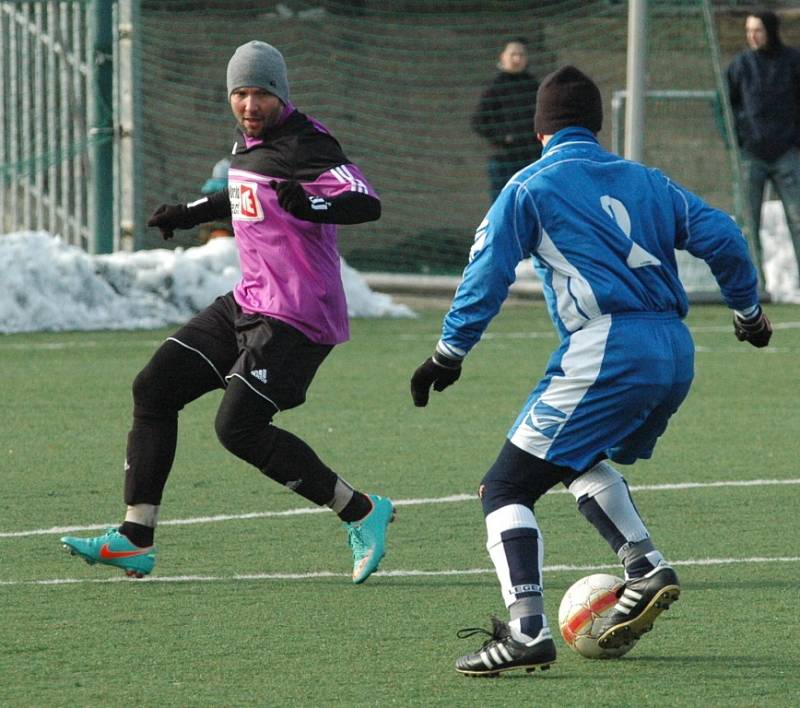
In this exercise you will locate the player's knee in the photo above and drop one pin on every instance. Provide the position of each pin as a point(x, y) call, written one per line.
point(496, 493)
point(517, 477)
point(231, 433)
point(151, 390)
point(503, 486)
point(243, 424)
point(248, 437)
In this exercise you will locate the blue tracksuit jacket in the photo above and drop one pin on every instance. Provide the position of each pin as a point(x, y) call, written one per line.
point(602, 233)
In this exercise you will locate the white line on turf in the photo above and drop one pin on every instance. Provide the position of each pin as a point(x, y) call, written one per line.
point(423, 501)
point(251, 577)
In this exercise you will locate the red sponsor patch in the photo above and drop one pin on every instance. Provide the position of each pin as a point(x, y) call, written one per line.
point(248, 204)
point(245, 205)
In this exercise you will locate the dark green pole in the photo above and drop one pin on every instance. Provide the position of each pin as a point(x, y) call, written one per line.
point(101, 127)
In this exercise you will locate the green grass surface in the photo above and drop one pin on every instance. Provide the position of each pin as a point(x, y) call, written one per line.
point(222, 627)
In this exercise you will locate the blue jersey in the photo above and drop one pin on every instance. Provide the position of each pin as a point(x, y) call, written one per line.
point(602, 233)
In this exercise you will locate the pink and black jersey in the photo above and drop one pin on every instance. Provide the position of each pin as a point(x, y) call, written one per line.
point(291, 267)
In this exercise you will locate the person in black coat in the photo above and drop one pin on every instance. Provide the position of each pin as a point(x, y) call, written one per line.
point(764, 88)
point(504, 116)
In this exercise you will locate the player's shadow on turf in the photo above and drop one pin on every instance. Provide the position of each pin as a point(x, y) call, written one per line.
point(549, 675)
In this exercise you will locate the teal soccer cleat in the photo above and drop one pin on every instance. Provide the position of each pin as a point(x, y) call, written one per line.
point(112, 548)
point(367, 538)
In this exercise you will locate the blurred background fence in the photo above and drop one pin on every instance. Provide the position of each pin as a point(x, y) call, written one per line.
point(396, 82)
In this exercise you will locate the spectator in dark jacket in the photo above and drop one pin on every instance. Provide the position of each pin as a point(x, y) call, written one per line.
point(764, 87)
point(505, 116)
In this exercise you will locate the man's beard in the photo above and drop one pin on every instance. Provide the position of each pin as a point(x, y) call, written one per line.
point(269, 122)
point(250, 133)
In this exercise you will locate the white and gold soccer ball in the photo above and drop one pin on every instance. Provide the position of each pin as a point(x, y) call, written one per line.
point(582, 608)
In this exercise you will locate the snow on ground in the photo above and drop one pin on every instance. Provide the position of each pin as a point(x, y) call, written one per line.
point(780, 263)
point(47, 285)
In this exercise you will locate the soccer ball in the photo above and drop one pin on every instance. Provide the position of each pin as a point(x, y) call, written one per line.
point(583, 606)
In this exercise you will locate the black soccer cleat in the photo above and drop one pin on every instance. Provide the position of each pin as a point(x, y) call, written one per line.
point(640, 601)
point(501, 652)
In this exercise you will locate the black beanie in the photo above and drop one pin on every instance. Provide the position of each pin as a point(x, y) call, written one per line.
point(568, 97)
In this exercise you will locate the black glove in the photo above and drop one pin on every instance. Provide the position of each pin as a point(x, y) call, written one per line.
point(169, 217)
point(439, 370)
point(756, 329)
point(292, 198)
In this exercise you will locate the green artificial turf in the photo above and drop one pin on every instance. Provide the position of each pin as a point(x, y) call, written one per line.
point(261, 611)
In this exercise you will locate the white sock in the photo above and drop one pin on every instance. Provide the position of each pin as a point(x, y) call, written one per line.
point(342, 494)
point(143, 514)
point(507, 518)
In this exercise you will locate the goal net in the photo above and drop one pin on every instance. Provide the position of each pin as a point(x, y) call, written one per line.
point(397, 83)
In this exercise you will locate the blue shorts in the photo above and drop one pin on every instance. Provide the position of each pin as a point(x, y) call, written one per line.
point(609, 391)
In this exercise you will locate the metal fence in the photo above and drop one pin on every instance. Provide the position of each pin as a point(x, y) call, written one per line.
point(60, 100)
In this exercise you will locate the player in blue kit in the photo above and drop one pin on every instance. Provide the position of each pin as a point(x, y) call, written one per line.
point(602, 234)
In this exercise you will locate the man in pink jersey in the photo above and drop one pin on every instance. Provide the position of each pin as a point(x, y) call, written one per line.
point(289, 185)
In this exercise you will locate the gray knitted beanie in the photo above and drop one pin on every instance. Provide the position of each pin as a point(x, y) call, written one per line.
point(260, 65)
